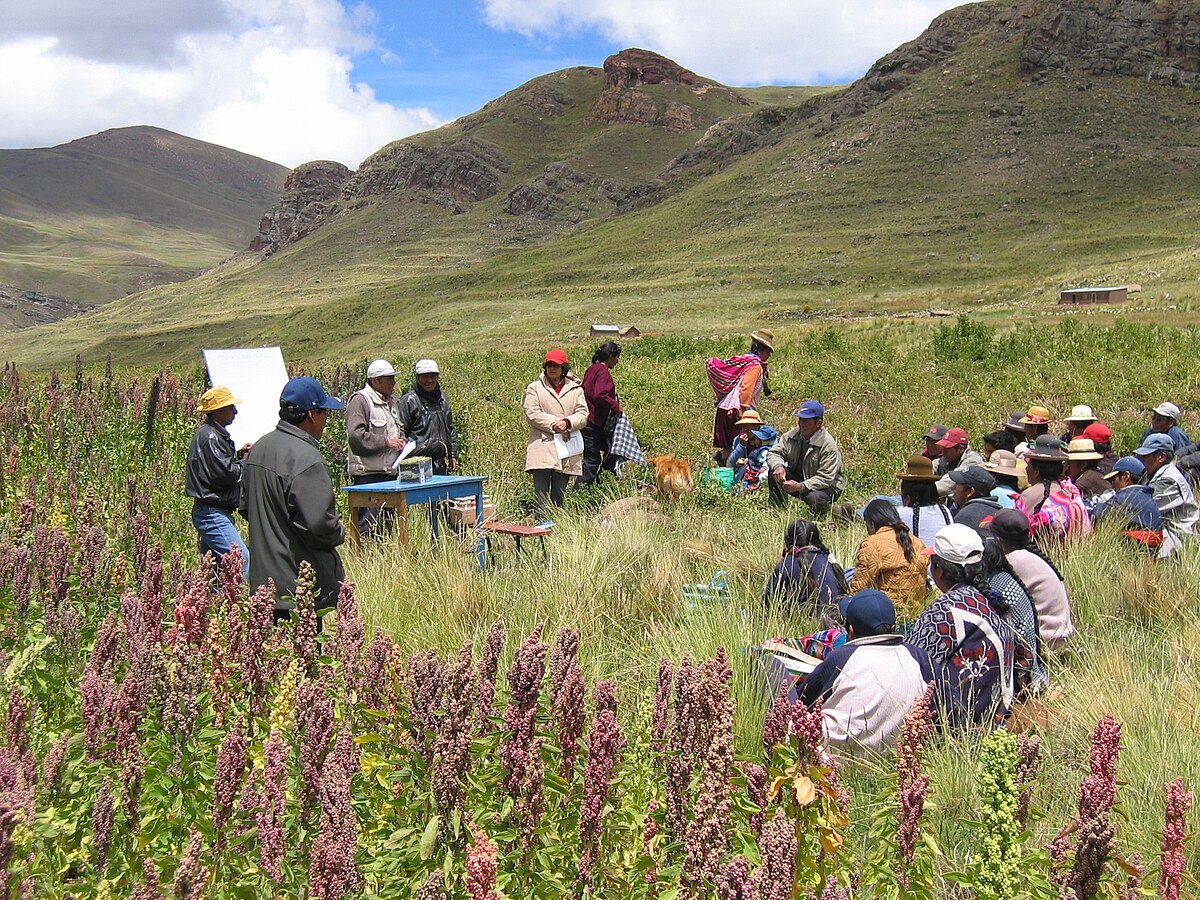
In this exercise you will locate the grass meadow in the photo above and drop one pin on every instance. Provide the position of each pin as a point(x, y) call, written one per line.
point(621, 587)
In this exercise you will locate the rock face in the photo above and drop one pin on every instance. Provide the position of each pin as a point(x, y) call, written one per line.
point(450, 175)
point(24, 307)
point(1154, 39)
point(309, 196)
point(624, 101)
point(561, 191)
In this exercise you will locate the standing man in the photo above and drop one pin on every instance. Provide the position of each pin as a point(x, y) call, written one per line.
point(374, 435)
point(1164, 419)
point(1172, 492)
point(290, 502)
point(956, 456)
point(806, 462)
point(425, 418)
point(214, 476)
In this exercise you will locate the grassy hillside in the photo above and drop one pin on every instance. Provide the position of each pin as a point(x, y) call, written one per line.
point(971, 187)
point(124, 210)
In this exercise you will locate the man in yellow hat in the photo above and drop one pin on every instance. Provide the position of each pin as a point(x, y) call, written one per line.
point(214, 476)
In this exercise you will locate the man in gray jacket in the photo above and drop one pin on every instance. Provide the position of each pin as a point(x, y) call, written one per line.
point(290, 501)
point(374, 437)
point(806, 462)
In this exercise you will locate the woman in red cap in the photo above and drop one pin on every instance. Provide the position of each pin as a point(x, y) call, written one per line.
point(555, 405)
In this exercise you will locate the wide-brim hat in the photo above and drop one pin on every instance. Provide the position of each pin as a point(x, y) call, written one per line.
point(1048, 447)
point(919, 468)
point(1014, 422)
point(1005, 462)
point(1080, 413)
point(1082, 449)
point(764, 337)
point(1037, 415)
point(750, 417)
point(216, 398)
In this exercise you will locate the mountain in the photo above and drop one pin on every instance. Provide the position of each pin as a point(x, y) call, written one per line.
point(98, 218)
point(1009, 150)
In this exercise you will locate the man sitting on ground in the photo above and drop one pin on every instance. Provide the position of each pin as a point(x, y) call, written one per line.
point(1164, 419)
point(956, 456)
point(973, 497)
point(806, 462)
point(1129, 500)
point(1077, 422)
point(932, 436)
point(1172, 492)
point(868, 685)
point(1101, 437)
point(1082, 468)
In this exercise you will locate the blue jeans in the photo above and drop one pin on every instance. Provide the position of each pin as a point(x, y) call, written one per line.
point(218, 534)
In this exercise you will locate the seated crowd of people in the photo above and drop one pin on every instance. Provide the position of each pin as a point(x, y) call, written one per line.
point(969, 528)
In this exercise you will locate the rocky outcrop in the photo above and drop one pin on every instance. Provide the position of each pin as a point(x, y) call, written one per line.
point(21, 307)
point(1154, 39)
point(560, 191)
point(623, 99)
point(309, 197)
point(545, 101)
point(449, 175)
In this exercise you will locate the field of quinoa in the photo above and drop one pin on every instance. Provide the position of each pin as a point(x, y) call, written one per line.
point(573, 729)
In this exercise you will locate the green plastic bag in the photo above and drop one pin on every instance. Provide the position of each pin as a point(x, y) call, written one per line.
point(720, 475)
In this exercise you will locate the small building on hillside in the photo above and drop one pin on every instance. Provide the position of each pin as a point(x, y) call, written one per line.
point(615, 331)
point(1084, 296)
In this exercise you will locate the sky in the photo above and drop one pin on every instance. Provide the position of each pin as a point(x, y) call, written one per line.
point(297, 80)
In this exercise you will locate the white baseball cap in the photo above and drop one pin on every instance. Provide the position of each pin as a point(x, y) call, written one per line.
point(426, 367)
point(958, 544)
point(381, 368)
point(1168, 409)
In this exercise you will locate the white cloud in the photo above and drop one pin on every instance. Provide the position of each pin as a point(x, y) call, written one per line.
point(275, 81)
point(769, 41)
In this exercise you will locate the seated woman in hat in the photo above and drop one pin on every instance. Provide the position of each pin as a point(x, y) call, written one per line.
point(1082, 467)
point(748, 458)
point(1052, 502)
point(921, 510)
point(1036, 422)
point(1007, 470)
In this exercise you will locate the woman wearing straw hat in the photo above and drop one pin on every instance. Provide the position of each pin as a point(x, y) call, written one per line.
point(738, 383)
point(214, 476)
point(1082, 467)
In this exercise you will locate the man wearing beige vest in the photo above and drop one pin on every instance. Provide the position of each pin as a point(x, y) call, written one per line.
point(375, 439)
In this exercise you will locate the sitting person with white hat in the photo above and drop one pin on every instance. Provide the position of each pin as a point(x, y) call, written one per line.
point(1164, 419)
point(1080, 418)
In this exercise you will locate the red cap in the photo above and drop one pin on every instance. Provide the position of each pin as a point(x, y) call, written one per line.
point(954, 437)
point(558, 357)
point(1098, 432)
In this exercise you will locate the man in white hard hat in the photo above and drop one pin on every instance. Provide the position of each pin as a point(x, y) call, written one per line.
point(375, 437)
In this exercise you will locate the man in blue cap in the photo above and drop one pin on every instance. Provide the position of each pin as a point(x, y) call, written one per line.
point(290, 501)
point(1172, 492)
point(868, 685)
point(806, 462)
point(1130, 501)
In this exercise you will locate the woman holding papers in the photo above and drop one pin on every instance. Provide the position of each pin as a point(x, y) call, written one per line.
point(556, 409)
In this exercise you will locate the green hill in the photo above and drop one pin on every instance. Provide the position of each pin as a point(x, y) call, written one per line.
point(124, 210)
point(1006, 152)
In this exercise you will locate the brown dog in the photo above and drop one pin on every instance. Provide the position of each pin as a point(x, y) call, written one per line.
point(672, 477)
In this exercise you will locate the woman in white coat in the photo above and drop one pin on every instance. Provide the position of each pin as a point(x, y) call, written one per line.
point(554, 404)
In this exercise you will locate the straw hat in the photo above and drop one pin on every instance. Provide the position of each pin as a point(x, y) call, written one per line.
point(1037, 415)
point(750, 417)
point(764, 337)
point(216, 398)
point(919, 468)
point(1083, 448)
point(1080, 413)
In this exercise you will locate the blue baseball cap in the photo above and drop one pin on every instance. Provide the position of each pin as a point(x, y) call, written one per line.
point(303, 393)
point(765, 433)
point(868, 612)
point(810, 409)
point(1156, 443)
point(1129, 464)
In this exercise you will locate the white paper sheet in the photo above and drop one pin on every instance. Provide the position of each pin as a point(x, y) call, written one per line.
point(256, 376)
point(568, 448)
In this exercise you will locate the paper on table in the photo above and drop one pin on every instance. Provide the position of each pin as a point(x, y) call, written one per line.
point(405, 453)
point(571, 447)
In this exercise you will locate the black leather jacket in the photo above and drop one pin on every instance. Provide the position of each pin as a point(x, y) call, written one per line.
point(214, 471)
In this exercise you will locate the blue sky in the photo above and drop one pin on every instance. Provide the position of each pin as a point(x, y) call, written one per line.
point(294, 80)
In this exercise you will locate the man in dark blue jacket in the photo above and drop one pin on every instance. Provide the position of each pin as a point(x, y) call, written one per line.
point(1131, 501)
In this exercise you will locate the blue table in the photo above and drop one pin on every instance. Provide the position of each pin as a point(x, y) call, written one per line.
point(398, 495)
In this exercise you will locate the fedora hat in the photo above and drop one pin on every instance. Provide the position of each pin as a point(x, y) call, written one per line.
point(1047, 446)
point(764, 337)
point(1014, 423)
point(1083, 448)
point(919, 468)
point(1037, 415)
point(1005, 462)
point(1080, 413)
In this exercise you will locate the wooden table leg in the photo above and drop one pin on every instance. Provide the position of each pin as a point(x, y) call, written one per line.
point(402, 515)
point(355, 537)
